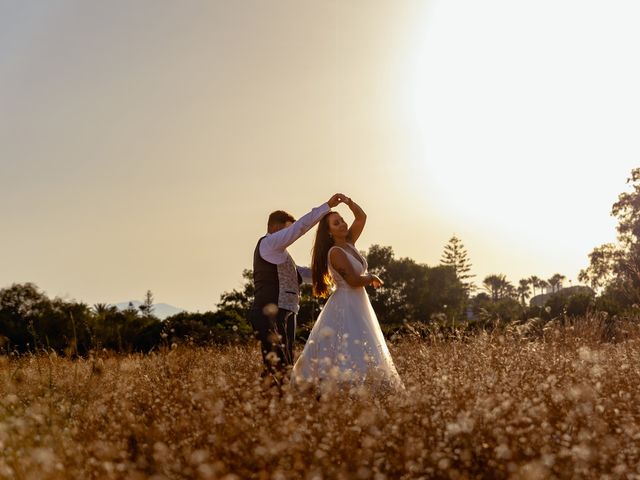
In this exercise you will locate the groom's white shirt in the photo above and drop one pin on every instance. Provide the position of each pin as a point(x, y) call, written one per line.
point(273, 248)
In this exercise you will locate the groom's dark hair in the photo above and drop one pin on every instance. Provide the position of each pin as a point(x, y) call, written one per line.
point(279, 217)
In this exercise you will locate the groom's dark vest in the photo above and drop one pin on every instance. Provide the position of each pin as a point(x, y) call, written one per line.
point(277, 284)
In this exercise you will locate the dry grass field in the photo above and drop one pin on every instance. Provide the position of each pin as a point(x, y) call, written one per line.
point(562, 402)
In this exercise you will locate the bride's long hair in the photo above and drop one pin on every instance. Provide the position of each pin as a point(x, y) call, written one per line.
point(322, 282)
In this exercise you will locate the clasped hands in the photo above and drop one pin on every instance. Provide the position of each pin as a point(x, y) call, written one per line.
point(337, 199)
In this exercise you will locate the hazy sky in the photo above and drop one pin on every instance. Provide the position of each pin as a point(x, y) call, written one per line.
point(143, 144)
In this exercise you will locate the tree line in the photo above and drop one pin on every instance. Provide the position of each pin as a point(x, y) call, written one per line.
point(30, 321)
point(413, 292)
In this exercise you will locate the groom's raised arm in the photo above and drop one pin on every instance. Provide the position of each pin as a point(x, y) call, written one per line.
point(278, 241)
point(275, 243)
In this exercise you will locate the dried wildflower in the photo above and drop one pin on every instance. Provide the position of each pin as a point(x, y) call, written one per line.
point(492, 405)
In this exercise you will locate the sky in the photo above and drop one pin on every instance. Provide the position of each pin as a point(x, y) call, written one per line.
point(143, 144)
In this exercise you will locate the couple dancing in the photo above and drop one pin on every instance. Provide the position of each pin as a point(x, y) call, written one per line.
point(346, 344)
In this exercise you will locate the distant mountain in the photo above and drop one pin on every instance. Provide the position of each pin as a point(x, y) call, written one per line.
point(160, 310)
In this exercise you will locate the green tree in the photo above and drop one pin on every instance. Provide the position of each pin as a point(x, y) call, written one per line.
point(444, 292)
point(30, 321)
point(398, 299)
point(542, 285)
point(487, 311)
point(616, 266)
point(455, 255)
point(534, 281)
point(147, 306)
point(579, 304)
point(498, 286)
point(20, 307)
point(603, 265)
point(219, 327)
point(413, 291)
point(65, 327)
point(524, 291)
point(101, 309)
point(241, 300)
point(389, 301)
point(555, 282)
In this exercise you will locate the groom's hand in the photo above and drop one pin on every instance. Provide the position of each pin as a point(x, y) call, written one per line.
point(336, 200)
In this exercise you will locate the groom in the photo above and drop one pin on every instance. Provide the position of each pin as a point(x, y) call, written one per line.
point(277, 282)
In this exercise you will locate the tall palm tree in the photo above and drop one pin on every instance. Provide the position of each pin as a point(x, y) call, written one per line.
point(103, 308)
point(556, 282)
point(524, 290)
point(561, 278)
point(496, 285)
point(534, 281)
point(542, 285)
point(509, 291)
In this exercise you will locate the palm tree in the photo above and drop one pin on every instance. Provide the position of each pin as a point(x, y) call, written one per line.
point(103, 308)
point(509, 291)
point(524, 290)
point(556, 282)
point(534, 281)
point(561, 278)
point(542, 285)
point(496, 285)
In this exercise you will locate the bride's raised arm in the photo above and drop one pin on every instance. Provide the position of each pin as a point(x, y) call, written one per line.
point(358, 223)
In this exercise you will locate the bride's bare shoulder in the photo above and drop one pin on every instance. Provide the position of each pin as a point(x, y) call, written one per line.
point(339, 261)
point(337, 255)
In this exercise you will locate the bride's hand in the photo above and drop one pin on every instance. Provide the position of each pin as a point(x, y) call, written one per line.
point(376, 281)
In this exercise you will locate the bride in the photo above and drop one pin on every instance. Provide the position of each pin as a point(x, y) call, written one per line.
point(346, 343)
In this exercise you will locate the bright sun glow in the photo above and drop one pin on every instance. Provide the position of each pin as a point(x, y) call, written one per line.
point(522, 115)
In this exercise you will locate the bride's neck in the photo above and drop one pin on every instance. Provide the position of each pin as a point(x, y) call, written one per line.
point(338, 242)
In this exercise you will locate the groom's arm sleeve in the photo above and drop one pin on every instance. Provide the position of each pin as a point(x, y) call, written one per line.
point(305, 273)
point(275, 243)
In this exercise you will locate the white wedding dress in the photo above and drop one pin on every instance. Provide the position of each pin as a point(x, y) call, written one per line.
point(346, 344)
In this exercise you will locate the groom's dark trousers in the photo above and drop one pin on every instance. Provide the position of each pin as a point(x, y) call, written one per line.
point(277, 335)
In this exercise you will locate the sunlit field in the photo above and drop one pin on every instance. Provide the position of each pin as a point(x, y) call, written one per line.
point(533, 403)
